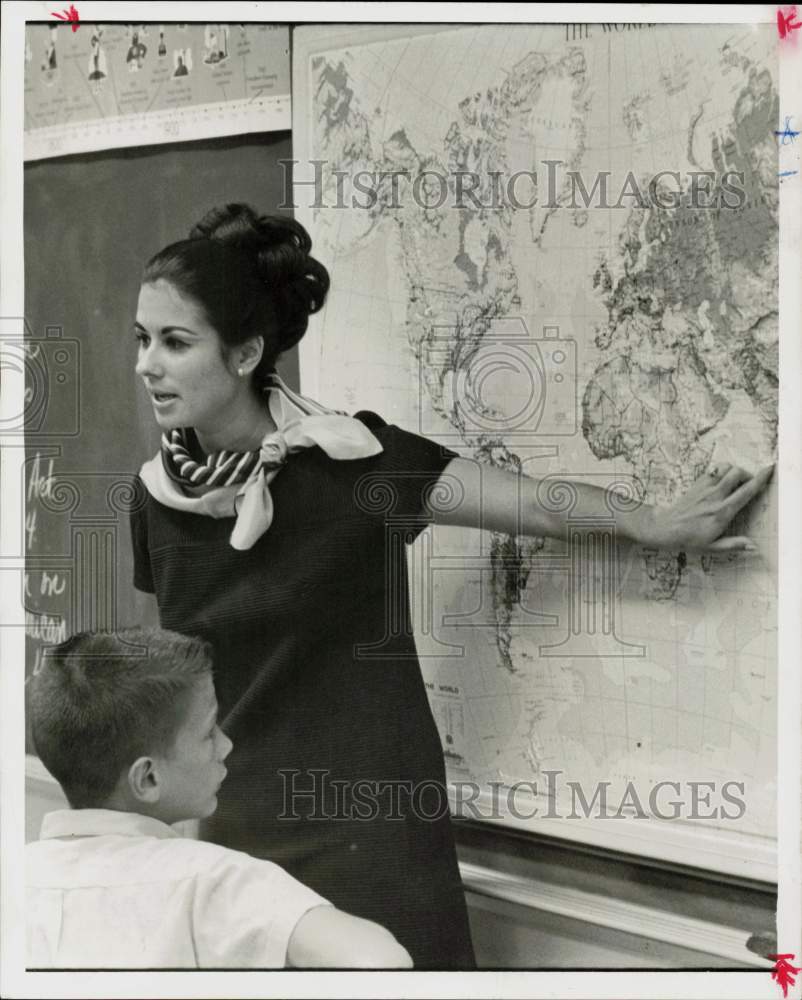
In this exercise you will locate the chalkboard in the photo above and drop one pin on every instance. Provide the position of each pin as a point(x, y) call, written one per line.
point(91, 222)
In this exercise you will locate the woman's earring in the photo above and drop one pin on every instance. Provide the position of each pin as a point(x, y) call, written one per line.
point(240, 372)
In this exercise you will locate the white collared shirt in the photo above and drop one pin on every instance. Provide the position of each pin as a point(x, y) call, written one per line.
point(116, 890)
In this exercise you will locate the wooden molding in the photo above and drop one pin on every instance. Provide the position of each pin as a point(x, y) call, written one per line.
point(613, 913)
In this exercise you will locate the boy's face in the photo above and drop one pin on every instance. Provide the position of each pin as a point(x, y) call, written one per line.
point(192, 773)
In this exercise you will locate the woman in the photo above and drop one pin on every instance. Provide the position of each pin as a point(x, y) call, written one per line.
point(264, 531)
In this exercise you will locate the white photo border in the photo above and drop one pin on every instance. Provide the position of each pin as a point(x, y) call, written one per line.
point(15, 981)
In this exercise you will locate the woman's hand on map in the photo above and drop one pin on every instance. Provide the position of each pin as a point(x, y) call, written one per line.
point(700, 517)
point(473, 495)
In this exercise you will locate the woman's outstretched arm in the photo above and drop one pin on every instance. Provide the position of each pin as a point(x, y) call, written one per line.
point(481, 496)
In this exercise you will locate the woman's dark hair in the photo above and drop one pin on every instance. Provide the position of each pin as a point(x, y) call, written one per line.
point(252, 275)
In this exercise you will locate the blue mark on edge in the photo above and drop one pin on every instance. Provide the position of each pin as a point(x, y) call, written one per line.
point(788, 173)
point(787, 135)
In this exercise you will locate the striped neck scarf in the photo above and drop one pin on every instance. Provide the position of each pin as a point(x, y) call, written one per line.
point(221, 468)
point(238, 483)
point(187, 465)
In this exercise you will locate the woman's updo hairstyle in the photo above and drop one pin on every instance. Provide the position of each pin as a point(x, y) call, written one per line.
point(252, 275)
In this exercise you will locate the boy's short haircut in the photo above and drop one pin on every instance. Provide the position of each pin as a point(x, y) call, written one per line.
point(102, 700)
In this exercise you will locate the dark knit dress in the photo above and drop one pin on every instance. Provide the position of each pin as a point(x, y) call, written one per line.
point(337, 768)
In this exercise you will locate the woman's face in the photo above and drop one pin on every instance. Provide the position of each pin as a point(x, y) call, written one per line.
point(181, 362)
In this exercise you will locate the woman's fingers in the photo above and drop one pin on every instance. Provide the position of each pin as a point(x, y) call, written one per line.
point(738, 543)
point(732, 479)
point(741, 497)
point(718, 471)
point(697, 519)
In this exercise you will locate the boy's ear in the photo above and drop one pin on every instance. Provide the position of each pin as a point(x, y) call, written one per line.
point(143, 780)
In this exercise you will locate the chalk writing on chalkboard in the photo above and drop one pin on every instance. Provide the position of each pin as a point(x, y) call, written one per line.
point(74, 527)
point(74, 517)
point(73, 539)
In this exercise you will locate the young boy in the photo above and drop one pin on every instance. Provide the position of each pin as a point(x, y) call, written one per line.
point(127, 723)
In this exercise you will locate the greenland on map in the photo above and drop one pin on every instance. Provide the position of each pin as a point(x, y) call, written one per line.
point(555, 250)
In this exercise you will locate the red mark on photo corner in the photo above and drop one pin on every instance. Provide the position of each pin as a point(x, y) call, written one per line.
point(783, 972)
point(70, 14)
point(787, 22)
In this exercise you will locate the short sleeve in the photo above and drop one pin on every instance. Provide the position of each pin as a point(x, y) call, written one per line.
point(396, 484)
point(143, 575)
point(244, 913)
